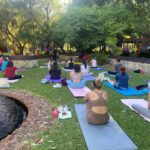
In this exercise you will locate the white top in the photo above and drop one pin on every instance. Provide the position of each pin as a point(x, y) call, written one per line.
point(84, 70)
point(94, 62)
point(50, 63)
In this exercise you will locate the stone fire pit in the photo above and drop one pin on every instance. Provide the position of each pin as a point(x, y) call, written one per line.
point(39, 114)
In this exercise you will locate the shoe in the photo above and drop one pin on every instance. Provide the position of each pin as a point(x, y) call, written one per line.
point(57, 85)
point(22, 76)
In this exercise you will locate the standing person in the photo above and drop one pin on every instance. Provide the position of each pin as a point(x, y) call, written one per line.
point(54, 55)
point(97, 104)
point(11, 72)
point(55, 72)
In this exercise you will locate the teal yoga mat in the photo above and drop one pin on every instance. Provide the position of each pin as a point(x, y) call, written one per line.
point(103, 137)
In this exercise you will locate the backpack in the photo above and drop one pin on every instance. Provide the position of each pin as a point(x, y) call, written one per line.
point(63, 82)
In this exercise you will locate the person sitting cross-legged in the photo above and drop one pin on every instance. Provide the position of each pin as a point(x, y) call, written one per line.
point(93, 63)
point(116, 68)
point(11, 72)
point(85, 69)
point(76, 75)
point(70, 64)
point(121, 79)
point(55, 72)
point(97, 104)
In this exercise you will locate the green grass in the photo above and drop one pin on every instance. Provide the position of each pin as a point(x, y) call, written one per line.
point(66, 134)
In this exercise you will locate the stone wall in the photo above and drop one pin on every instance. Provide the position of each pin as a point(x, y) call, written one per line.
point(25, 63)
point(133, 65)
point(66, 58)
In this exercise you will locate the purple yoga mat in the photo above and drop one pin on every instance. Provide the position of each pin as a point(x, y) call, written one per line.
point(79, 92)
point(47, 77)
point(89, 78)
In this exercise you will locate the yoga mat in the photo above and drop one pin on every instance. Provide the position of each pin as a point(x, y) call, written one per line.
point(79, 92)
point(126, 92)
point(67, 69)
point(130, 102)
point(89, 77)
point(97, 68)
point(146, 90)
point(103, 137)
point(44, 67)
point(79, 63)
point(13, 81)
point(47, 77)
point(106, 73)
point(21, 69)
point(147, 81)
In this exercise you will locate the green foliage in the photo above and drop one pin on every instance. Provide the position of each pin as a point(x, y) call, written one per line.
point(79, 27)
point(117, 51)
point(89, 2)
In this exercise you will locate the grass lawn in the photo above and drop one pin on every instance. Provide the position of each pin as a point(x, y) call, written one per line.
point(66, 134)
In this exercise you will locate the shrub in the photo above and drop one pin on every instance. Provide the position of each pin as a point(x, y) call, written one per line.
point(145, 54)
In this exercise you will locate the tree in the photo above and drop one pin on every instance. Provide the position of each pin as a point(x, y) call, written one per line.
point(90, 3)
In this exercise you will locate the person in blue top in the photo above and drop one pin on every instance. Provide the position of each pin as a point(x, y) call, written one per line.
point(4, 64)
point(121, 79)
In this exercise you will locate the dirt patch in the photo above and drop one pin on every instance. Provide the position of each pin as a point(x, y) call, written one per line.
point(39, 119)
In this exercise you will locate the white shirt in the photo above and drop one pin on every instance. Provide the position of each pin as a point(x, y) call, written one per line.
point(94, 63)
point(84, 70)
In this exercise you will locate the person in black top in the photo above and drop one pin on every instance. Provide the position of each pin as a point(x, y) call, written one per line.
point(70, 64)
point(55, 72)
point(54, 55)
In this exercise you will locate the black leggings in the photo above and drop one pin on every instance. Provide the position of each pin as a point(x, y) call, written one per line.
point(15, 77)
point(137, 71)
point(68, 68)
point(141, 87)
point(112, 72)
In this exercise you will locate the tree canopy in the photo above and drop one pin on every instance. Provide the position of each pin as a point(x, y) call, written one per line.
point(86, 24)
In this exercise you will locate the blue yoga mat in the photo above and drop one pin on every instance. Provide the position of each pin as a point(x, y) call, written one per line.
point(97, 68)
point(89, 77)
point(146, 90)
point(127, 92)
point(103, 137)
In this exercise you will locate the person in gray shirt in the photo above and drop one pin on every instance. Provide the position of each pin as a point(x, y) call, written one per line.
point(116, 68)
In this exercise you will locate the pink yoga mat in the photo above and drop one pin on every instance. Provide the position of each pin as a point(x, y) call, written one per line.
point(13, 81)
point(79, 92)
